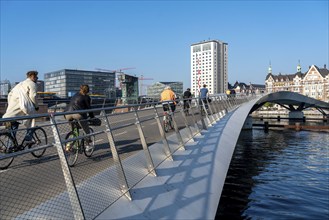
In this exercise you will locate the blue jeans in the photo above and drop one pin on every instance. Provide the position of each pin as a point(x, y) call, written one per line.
point(29, 131)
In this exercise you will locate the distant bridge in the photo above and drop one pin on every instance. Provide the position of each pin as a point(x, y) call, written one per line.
point(292, 101)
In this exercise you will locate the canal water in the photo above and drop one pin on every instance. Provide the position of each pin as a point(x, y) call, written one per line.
point(282, 174)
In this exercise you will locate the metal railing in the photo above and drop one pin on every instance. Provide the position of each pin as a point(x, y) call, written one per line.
point(129, 145)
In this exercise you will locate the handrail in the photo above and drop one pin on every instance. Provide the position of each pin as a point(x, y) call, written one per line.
point(118, 166)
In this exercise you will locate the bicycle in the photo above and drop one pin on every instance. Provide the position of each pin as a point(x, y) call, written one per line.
point(203, 107)
point(9, 144)
point(187, 104)
point(77, 146)
point(167, 118)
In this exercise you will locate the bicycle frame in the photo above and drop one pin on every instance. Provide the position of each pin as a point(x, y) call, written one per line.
point(76, 133)
point(78, 145)
point(12, 133)
point(11, 144)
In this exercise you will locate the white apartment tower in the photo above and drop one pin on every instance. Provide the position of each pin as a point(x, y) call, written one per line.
point(209, 66)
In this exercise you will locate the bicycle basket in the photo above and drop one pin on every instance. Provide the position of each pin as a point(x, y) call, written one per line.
point(94, 122)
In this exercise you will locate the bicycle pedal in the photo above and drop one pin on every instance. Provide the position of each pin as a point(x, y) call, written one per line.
point(13, 149)
point(3, 150)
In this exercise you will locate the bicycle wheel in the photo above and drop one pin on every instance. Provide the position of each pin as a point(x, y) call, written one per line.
point(165, 124)
point(6, 141)
point(171, 123)
point(202, 111)
point(71, 149)
point(40, 139)
point(92, 144)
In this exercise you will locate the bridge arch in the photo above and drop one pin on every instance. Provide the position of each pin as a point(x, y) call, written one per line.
point(291, 101)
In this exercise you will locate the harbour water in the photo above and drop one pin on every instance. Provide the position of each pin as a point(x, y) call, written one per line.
point(282, 174)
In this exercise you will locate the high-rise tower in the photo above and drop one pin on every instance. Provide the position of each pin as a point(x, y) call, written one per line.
point(209, 66)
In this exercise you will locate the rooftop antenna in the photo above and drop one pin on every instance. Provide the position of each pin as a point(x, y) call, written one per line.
point(299, 69)
point(270, 68)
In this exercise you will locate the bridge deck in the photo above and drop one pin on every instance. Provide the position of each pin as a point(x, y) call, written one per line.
point(190, 186)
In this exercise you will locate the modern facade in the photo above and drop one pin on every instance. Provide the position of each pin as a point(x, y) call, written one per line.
point(4, 88)
point(66, 82)
point(209, 65)
point(313, 83)
point(154, 91)
point(40, 86)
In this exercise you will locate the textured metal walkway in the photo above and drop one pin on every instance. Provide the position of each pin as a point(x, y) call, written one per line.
point(190, 186)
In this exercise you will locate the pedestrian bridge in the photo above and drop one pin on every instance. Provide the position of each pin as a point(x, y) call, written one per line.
point(137, 171)
point(292, 101)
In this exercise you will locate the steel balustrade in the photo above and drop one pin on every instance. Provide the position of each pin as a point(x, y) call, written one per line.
point(116, 182)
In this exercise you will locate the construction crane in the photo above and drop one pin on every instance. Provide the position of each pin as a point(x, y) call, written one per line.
point(115, 71)
point(141, 85)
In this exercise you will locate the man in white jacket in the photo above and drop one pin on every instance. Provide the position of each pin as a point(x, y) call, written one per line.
point(29, 87)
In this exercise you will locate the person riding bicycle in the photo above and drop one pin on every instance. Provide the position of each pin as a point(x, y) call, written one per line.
point(204, 95)
point(187, 99)
point(168, 98)
point(26, 89)
point(81, 101)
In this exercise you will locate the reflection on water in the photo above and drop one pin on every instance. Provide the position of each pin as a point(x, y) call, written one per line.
point(282, 174)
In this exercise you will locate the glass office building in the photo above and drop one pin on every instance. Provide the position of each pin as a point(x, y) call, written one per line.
point(66, 82)
point(155, 90)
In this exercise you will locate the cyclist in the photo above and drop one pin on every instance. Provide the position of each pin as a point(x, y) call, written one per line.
point(168, 98)
point(187, 100)
point(81, 101)
point(29, 87)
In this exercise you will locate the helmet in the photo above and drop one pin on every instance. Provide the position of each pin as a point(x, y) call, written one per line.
point(188, 89)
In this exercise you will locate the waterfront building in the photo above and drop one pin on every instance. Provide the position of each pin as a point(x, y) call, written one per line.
point(40, 86)
point(313, 83)
point(4, 88)
point(155, 90)
point(251, 88)
point(66, 82)
point(209, 65)
point(129, 88)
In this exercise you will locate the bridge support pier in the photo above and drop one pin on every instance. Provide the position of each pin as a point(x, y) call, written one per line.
point(296, 115)
point(247, 123)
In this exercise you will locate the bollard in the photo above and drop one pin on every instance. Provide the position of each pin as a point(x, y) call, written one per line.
point(266, 127)
point(297, 126)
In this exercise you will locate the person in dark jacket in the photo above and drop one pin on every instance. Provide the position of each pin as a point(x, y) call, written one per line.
point(81, 101)
point(187, 100)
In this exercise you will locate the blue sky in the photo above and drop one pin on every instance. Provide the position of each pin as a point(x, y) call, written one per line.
point(155, 36)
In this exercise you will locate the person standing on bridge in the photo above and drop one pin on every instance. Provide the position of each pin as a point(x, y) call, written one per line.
point(204, 95)
point(168, 98)
point(81, 101)
point(22, 100)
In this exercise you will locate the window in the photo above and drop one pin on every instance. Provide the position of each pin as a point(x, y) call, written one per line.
point(197, 48)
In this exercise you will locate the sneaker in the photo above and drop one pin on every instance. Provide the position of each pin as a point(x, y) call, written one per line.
point(68, 146)
point(13, 149)
point(89, 148)
point(29, 142)
point(3, 149)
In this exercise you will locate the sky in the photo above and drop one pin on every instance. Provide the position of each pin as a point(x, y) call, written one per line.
point(153, 38)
